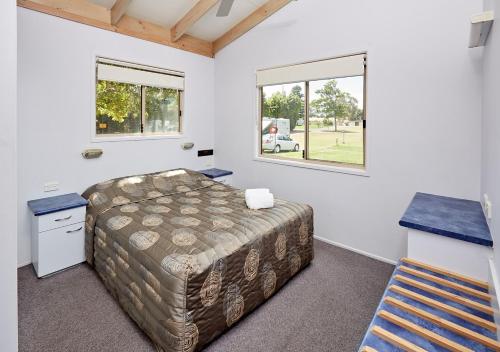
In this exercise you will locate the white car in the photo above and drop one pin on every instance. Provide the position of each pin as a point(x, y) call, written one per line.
point(278, 143)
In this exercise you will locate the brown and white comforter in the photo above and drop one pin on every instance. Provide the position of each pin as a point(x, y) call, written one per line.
point(185, 257)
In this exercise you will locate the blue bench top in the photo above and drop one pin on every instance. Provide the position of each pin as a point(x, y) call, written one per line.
point(50, 205)
point(214, 173)
point(451, 217)
point(373, 341)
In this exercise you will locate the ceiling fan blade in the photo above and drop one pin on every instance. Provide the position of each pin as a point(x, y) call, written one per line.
point(224, 8)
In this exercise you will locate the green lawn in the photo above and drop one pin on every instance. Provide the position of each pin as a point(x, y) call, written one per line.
point(344, 146)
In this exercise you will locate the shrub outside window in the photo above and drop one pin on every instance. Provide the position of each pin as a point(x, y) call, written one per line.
point(136, 100)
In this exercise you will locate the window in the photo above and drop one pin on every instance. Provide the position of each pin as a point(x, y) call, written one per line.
point(314, 112)
point(135, 100)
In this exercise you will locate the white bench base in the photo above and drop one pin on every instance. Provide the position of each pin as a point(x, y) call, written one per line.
point(455, 255)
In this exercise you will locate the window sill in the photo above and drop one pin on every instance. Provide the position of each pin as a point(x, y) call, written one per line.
point(134, 138)
point(315, 166)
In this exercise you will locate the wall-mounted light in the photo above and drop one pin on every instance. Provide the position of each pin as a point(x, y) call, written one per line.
point(187, 146)
point(92, 153)
point(480, 28)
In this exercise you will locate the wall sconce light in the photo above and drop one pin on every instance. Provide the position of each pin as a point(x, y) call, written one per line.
point(92, 153)
point(480, 28)
point(187, 146)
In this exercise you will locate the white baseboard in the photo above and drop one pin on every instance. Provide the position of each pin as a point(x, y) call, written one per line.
point(20, 265)
point(366, 254)
point(495, 292)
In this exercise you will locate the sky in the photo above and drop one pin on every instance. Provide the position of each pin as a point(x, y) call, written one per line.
point(352, 85)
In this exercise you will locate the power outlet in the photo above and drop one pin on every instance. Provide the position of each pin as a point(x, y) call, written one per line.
point(487, 207)
point(51, 186)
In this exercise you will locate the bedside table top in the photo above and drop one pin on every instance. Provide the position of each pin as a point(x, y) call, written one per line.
point(214, 173)
point(50, 205)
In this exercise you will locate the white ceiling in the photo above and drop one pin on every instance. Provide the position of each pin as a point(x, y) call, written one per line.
point(167, 12)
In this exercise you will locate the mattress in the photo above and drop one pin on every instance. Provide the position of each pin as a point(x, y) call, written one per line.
point(185, 257)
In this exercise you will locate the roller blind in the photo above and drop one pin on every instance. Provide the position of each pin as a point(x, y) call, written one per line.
point(346, 66)
point(139, 76)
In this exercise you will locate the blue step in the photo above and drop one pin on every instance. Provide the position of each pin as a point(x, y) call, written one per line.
point(379, 344)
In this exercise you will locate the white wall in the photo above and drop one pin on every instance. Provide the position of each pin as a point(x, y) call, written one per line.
point(55, 110)
point(424, 104)
point(8, 186)
point(490, 166)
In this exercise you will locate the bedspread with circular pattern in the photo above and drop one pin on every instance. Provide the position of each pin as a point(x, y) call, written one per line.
point(186, 258)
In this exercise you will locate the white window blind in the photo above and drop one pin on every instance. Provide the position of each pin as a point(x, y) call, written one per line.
point(346, 66)
point(108, 71)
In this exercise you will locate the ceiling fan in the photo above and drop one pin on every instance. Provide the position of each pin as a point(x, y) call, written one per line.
point(224, 8)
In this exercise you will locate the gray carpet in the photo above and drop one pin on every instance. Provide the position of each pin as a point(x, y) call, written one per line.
point(327, 307)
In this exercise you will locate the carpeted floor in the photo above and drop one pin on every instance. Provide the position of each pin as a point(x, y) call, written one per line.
point(327, 307)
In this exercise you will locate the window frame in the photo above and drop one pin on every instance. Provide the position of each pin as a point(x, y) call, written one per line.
point(305, 161)
point(96, 138)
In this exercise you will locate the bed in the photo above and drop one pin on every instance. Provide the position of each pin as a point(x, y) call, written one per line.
point(185, 257)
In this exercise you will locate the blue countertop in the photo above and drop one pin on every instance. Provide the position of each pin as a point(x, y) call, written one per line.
point(451, 217)
point(54, 204)
point(214, 173)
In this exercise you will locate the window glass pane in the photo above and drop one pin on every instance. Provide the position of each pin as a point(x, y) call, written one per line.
point(283, 120)
point(118, 108)
point(162, 110)
point(336, 120)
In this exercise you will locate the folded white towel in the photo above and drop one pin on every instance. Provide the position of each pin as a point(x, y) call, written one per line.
point(259, 201)
point(256, 191)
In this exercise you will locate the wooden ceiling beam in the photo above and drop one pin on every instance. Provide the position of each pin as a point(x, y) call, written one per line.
point(190, 18)
point(73, 10)
point(158, 34)
point(84, 12)
point(249, 22)
point(118, 10)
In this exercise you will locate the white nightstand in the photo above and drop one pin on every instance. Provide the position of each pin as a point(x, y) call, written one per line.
point(57, 232)
point(222, 176)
